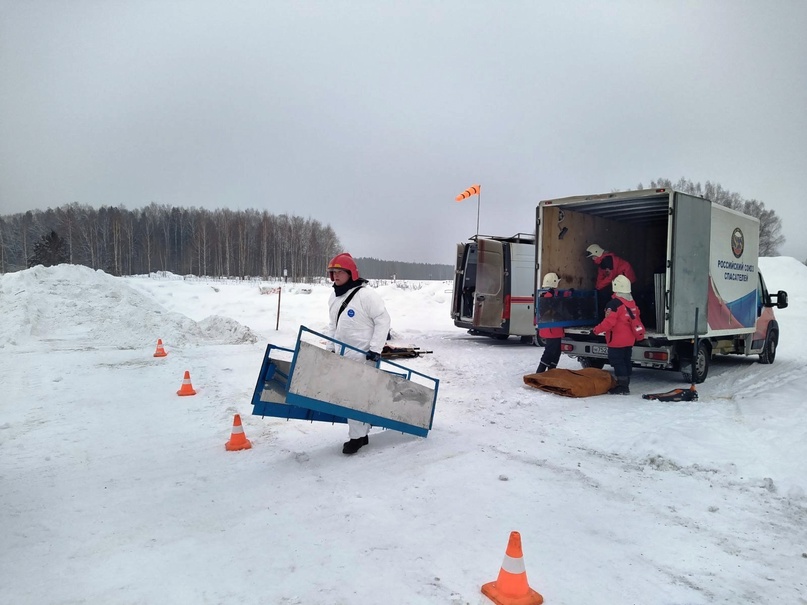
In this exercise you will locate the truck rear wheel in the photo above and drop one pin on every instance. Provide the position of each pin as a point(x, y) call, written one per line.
point(768, 354)
point(591, 362)
point(701, 365)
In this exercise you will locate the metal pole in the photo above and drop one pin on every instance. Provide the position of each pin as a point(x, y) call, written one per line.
point(277, 325)
point(478, 203)
point(695, 348)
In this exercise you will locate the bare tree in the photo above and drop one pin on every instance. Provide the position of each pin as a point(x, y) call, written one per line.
point(125, 242)
point(770, 225)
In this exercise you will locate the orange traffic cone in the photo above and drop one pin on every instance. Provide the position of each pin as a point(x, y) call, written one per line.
point(160, 352)
point(511, 587)
point(187, 387)
point(238, 441)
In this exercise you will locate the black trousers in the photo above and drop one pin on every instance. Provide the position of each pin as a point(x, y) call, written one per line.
point(551, 354)
point(619, 358)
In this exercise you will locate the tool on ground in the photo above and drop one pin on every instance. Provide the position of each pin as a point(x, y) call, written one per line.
point(389, 352)
point(689, 394)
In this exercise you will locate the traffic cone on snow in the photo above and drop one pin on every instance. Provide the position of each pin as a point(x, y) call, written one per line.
point(187, 387)
point(511, 587)
point(160, 352)
point(238, 440)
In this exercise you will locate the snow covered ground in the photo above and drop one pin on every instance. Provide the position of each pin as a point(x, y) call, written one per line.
point(115, 490)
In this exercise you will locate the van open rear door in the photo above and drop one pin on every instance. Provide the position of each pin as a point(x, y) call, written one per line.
point(489, 296)
point(459, 272)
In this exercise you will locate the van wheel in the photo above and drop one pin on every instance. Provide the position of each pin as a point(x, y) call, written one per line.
point(591, 362)
point(701, 365)
point(768, 354)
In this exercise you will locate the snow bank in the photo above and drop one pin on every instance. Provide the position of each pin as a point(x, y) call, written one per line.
point(86, 309)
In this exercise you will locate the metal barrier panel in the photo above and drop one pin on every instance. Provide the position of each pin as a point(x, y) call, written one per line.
point(335, 384)
point(269, 397)
point(320, 385)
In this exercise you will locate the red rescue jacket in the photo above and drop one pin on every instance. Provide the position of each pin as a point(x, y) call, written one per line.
point(606, 276)
point(616, 325)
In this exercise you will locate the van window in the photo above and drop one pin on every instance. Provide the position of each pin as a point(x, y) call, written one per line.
point(489, 273)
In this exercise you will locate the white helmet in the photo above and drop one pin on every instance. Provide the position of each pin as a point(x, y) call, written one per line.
point(595, 250)
point(551, 280)
point(621, 285)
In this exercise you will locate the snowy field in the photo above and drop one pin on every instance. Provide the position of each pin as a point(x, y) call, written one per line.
point(114, 490)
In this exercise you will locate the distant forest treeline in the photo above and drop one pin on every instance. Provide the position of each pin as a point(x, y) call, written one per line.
point(219, 243)
point(386, 269)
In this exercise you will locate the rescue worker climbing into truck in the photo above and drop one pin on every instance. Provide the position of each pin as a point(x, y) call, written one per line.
point(620, 336)
point(609, 266)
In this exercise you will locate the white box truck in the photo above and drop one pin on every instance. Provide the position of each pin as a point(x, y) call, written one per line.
point(691, 256)
point(494, 286)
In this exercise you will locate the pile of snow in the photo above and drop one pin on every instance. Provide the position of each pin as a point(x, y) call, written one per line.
point(75, 307)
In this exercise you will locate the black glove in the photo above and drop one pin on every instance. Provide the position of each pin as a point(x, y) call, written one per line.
point(373, 356)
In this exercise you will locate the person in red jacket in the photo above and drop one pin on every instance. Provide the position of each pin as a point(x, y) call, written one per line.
point(609, 266)
point(619, 334)
point(551, 336)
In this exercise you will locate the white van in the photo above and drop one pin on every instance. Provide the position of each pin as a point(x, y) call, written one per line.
point(494, 286)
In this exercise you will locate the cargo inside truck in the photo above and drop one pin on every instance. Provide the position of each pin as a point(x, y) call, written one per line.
point(635, 229)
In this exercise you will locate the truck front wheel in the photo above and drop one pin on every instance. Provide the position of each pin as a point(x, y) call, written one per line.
point(701, 366)
point(769, 350)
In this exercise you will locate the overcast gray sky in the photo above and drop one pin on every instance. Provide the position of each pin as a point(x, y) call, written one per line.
point(373, 115)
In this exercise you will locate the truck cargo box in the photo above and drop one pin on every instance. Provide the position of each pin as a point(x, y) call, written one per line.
point(687, 252)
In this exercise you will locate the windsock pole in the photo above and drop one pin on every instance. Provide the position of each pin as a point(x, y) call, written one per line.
point(478, 204)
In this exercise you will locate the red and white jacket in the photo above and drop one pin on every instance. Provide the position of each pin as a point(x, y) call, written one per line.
point(616, 325)
point(606, 276)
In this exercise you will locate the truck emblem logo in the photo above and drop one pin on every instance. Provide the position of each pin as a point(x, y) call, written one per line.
point(737, 242)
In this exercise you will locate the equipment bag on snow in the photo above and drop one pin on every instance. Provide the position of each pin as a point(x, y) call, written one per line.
point(689, 394)
point(572, 383)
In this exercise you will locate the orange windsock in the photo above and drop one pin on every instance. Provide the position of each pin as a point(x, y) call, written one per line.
point(238, 440)
point(472, 190)
point(187, 387)
point(160, 352)
point(511, 587)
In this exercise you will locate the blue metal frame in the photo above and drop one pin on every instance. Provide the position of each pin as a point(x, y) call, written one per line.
point(306, 408)
point(568, 296)
point(270, 373)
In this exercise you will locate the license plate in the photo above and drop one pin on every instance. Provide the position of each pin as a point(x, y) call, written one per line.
point(599, 349)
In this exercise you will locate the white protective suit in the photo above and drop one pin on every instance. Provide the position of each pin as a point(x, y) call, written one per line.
point(363, 324)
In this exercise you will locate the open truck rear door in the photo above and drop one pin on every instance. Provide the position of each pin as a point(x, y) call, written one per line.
point(489, 296)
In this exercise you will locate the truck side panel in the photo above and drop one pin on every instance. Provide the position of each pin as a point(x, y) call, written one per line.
point(733, 272)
